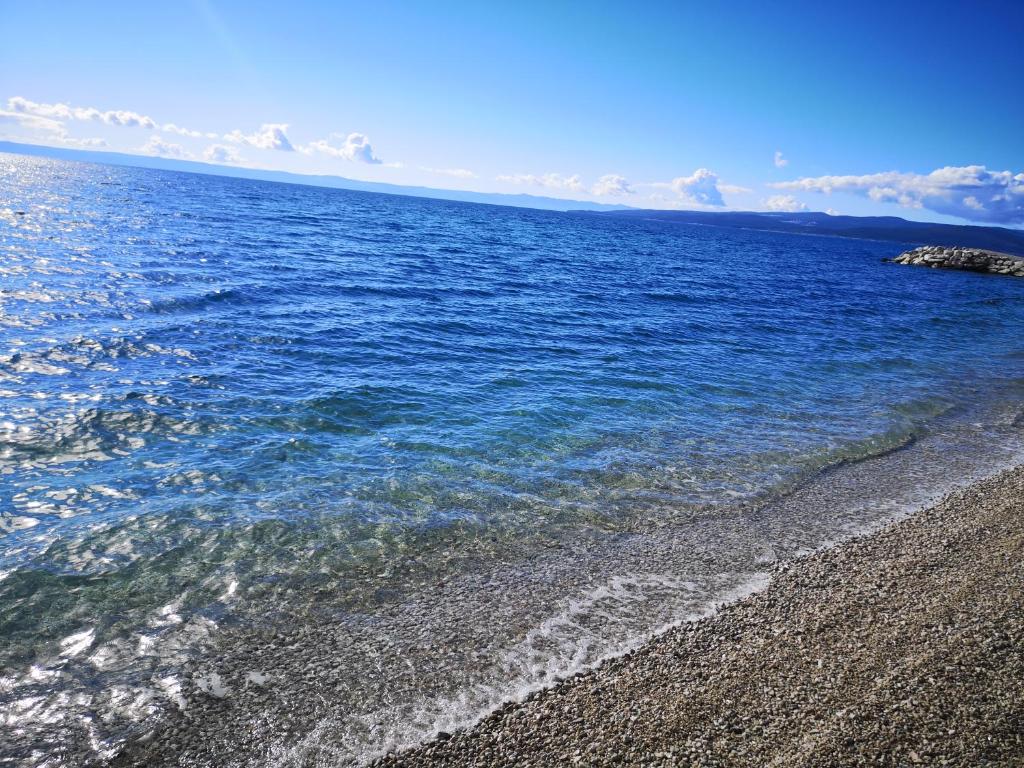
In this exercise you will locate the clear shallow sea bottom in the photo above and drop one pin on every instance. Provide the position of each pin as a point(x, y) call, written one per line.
point(324, 472)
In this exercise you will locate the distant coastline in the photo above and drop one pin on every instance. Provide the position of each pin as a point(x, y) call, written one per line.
point(884, 228)
point(284, 177)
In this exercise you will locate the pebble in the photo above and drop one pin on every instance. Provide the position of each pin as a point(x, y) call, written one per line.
point(927, 671)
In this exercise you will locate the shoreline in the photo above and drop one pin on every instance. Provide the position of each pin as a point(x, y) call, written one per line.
point(287, 727)
point(901, 646)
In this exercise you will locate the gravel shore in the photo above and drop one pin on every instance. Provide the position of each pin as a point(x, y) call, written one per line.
point(904, 647)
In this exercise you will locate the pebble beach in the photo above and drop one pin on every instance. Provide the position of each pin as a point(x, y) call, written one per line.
point(899, 648)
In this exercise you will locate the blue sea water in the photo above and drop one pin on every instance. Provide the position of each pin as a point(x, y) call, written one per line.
point(228, 404)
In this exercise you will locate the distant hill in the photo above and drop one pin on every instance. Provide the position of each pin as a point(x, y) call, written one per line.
point(872, 227)
point(339, 182)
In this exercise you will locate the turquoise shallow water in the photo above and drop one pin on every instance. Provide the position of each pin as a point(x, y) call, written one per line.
point(222, 396)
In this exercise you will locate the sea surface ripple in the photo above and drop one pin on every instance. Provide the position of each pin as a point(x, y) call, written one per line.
point(231, 407)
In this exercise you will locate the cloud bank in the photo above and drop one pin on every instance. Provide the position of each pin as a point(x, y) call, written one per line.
point(969, 192)
point(33, 122)
point(66, 112)
point(54, 129)
point(172, 128)
point(609, 185)
point(51, 118)
point(548, 180)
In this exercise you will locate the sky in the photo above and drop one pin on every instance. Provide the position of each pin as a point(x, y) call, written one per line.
point(870, 108)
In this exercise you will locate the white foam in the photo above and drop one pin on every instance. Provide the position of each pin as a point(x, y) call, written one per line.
point(571, 648)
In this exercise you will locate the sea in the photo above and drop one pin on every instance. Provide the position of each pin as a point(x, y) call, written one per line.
point(297, 476)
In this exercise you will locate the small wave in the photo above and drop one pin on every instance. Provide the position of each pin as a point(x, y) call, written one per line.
point(433, 293)
point(362, 410)
point(675, 298)
point(93, 434)
point(83, 352)
point(193, 303)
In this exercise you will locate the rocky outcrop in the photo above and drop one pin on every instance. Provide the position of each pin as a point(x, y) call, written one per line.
point(969, 259)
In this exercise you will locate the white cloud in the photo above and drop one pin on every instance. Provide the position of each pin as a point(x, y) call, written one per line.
point(612, 184)
point(157, 146)
point(33, 122)
point(700, 187)
point(780, 161)
point(356, 148)
point(548, 181)
point(218, 153)
point(125, 118)
point(172, 128)
point(55, 128)
point(51, 118)
point(970, 192)
point(459, 173)
point(786, 203)
point(26, 107)
point(66, 112)
point(832, 212)
point(117, 117)
point(269, 136)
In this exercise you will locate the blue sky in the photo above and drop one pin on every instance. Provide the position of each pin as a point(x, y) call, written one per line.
point(900, 108)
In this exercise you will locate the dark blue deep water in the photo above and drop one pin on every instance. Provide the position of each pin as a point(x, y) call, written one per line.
point(219, 397)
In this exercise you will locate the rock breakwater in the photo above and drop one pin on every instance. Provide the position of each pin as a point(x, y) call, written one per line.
point(968, 259)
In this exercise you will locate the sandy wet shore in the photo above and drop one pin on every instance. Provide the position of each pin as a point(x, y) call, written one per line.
point(904, 647)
